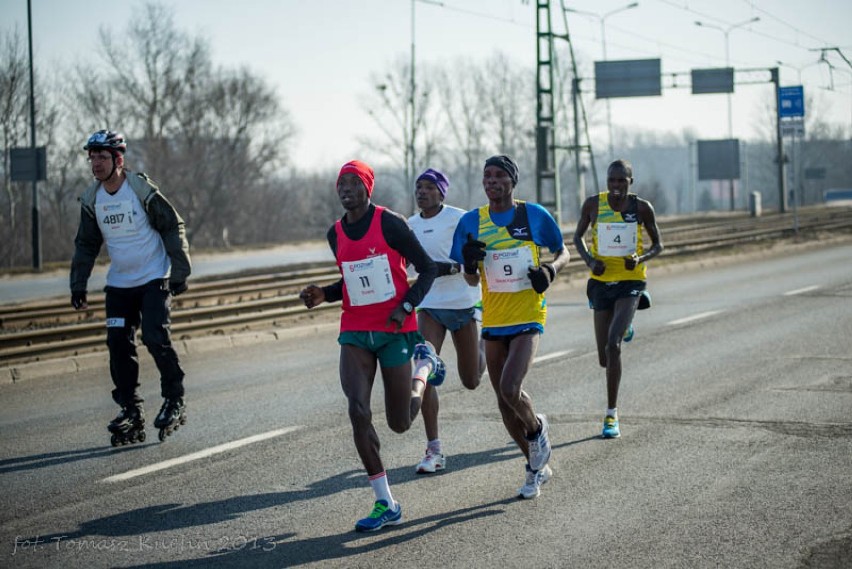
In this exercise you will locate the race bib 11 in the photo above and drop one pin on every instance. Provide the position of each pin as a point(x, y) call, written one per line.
point(368, 281)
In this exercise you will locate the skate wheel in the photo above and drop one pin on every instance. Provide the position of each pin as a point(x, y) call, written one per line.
point(162, 435)
point(113, 440)
point(142, 437)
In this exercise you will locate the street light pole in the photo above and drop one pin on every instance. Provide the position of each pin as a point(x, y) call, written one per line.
point(36, 215)
point(411, 163)
point(602, 18)
point(726, 32)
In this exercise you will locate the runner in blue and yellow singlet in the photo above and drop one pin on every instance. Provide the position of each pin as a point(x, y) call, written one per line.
point(617, 260)
point(501, 242)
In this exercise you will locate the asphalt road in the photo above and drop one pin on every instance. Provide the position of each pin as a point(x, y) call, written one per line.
point(736, 448)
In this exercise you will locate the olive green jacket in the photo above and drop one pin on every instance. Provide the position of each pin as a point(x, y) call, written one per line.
point(162, 216)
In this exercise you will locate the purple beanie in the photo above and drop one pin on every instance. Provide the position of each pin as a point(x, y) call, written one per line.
point(438, 178)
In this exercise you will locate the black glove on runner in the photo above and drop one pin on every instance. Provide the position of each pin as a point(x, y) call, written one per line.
point(177, 288)
point(472, 252)
point(78, 299)
point(541, 277)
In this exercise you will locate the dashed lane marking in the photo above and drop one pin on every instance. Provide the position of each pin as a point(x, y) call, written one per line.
point(200, 454)
point(694, 317)
point(801, 290)
point(551, 356)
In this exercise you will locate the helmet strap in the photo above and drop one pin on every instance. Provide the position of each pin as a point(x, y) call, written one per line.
point(114, 168)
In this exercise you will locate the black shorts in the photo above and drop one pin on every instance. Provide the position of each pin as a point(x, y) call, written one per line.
point(507, 338)
point(602, 295)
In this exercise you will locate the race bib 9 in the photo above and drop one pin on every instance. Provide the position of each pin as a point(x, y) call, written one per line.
point(506, 269)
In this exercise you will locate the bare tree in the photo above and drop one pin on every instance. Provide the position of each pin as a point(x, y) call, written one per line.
point(14, 86)
point(212, 138)
point(466, 111)
point(461, 89)
point(390, 107)
point(15, 225)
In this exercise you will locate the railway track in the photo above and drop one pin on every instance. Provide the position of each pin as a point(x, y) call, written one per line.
point(51, 328)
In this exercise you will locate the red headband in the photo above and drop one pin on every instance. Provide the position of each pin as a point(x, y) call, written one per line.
point(360, 169)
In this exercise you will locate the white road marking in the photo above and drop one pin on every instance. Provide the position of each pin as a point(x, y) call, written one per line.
point(540, 359)
point(200, 454)
point(694, 317)
point(551, 356)
point(801, 290)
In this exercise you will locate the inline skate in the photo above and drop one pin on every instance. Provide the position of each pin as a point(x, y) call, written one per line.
point(171, 416)
point(128, 427)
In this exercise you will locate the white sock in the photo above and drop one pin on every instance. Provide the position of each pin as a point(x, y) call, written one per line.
point(435, 446)
point(422, 369)
point(612, 413)
point(381, 488)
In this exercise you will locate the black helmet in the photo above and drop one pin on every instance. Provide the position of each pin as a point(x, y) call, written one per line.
point(106, 140)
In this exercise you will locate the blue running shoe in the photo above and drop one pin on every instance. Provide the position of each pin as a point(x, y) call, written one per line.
point(628, 334)
point(610, 428)
point(425, 351)
point(644, 300)
point(380, 517)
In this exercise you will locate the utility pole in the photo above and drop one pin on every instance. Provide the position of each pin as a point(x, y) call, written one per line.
point(36, 229)
point(411, 150)
point(547, 174)
point(411, 162)
point(577, 106)
point(781, 158)
point(602, 18)
point(726, 32)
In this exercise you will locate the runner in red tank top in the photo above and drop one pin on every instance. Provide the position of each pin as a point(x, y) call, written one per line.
point(378, 327)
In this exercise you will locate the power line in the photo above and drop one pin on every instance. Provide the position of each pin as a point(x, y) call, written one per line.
point(772, 16)
point(765, 35)
point(511, 21)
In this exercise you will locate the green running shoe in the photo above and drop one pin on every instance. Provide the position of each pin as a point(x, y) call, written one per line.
point(380, 517)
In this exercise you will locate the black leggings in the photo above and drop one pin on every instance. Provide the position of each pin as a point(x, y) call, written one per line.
point(126, 309)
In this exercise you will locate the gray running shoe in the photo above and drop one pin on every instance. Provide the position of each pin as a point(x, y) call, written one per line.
point(532, 486)
point(540, 447)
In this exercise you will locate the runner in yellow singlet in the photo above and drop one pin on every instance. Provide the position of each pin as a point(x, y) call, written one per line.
point(617, 260)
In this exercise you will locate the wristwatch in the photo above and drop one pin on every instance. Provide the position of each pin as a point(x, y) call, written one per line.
point(454, 268)
point(408, 307)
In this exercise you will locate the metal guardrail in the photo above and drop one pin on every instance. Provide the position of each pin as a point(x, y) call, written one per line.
point(35, 331)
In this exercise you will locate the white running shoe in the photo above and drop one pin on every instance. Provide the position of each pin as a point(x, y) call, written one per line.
point(535, 478)
point(540, 447)
point(432, 462)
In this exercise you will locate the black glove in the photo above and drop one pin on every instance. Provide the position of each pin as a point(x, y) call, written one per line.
point(78, 299)
point(178, 288)
point(541, 277)
point(472, 252)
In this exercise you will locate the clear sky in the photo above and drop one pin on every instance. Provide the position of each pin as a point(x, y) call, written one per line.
point(319, 54)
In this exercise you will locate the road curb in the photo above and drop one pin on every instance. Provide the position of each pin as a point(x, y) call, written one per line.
point(62, 367)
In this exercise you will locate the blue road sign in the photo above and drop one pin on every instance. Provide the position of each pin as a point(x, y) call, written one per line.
point(791, 101)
